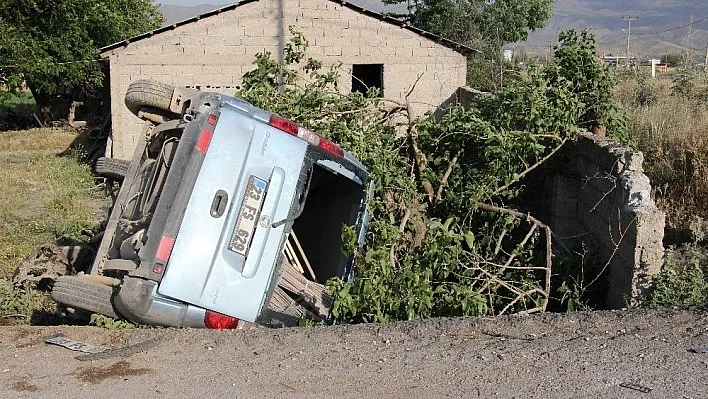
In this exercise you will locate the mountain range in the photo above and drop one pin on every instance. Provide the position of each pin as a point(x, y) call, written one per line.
point(661, 27)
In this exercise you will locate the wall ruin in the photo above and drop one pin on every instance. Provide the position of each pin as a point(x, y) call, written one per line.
point(598, 193)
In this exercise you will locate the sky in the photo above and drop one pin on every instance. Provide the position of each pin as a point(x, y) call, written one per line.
point(219, 2)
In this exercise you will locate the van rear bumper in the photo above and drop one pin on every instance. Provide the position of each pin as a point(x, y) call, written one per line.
point(138, 301)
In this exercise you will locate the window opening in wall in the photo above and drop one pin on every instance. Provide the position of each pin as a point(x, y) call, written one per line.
point(366, 76)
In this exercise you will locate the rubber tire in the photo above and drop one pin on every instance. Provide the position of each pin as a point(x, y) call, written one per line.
point(148, 93)
point(80, 293)
point(112, 168)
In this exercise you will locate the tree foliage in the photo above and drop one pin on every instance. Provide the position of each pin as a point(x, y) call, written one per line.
point(53, 45)
point(485, 25)
point(471, 21)
point(442, 240)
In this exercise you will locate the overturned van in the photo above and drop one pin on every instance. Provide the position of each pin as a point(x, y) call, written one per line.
point(216, 186)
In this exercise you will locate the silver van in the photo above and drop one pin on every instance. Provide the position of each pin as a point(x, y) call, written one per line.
point(196, 234)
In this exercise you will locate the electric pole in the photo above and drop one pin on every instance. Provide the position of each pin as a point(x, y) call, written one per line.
point(629, 20)
point(705, 63)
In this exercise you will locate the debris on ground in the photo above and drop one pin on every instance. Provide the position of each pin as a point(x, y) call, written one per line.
point(636, 387)
point(95, 352)
point(47, 263)
point(119, 352)
point(61, 340)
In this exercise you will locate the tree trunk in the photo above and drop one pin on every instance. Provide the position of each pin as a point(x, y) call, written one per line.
point(50, 106)
point(43, 114)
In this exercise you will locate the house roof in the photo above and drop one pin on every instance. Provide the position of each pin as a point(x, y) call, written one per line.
point(461, 48)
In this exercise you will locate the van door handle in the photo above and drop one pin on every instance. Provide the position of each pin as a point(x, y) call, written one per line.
point(218, 205)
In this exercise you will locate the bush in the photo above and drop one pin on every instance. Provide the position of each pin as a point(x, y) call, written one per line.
point(673, 60)
point(646, 93)
point(684, 278)
point(684, 84)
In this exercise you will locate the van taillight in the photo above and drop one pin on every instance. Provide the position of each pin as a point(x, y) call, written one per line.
point(284, 124)
point(207, 134)
point(218, 321)
point(164, 249)
point(305, 134)
point(331, 147)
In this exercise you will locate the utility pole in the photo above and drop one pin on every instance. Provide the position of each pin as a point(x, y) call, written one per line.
point(688, 44)
point(705, 63)
point(629, 20)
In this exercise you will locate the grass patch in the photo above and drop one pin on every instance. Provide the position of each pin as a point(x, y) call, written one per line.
point(669, 120)
point(20, 306)
point(16, 99)
point(44, 197)
point(672, 132)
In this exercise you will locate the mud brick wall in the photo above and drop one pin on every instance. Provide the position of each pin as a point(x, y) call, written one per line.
point(602, 197)
point(214, 52)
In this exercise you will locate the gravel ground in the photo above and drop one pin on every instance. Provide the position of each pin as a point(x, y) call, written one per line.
point(578, 355)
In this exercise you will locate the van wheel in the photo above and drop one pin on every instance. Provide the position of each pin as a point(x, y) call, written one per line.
point(84, 294)
point(112, 168)
point(148, 93)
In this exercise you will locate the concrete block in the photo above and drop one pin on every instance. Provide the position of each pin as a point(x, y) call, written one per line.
point(633, 161)
point(636, 189)
point(332, 51)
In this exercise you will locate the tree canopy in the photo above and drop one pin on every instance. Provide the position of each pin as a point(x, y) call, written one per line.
point(53, 45)
point(472, 21)
point(485, 25)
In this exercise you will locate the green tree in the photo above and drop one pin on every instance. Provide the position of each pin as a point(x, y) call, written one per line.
point(673, 59)
point(52, 45)
point(485, 25)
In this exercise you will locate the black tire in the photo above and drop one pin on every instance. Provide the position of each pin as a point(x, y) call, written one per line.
point(112, 168)
point(84, 294)
point(148, 93)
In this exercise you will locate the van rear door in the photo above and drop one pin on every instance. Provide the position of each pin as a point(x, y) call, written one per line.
point(226, 251)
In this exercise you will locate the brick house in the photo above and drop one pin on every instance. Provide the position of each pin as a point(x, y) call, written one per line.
point(212, 51)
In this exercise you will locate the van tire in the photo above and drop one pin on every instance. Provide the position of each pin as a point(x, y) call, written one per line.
point(112, 168)
point(148, 93)
point(77, 292)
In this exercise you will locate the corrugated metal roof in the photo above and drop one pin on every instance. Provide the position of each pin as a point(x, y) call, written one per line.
point(461, 48)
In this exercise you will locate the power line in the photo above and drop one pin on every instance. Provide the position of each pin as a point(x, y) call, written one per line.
point(673, 29)
point(611, 42)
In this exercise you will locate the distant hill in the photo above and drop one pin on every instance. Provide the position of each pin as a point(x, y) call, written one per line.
point(175, 13)
point(662, 27)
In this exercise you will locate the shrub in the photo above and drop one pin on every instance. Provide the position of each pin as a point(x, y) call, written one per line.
point(684, 278)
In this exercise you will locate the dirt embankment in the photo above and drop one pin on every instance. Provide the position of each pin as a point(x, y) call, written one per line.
point(625, 354)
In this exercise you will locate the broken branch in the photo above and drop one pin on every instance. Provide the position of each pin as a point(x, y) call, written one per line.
point(530, 168)
point(446, 176)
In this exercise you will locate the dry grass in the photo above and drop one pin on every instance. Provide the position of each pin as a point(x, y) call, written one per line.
point(55, 140)
point(45, 197)
point(673, 134)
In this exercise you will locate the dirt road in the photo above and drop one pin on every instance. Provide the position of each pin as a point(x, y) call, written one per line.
point(583, 355)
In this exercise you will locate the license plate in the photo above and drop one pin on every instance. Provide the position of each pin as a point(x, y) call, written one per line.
point(248, 216)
